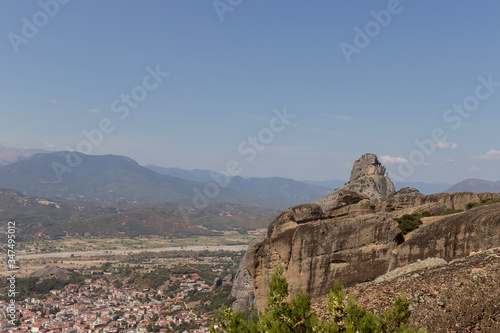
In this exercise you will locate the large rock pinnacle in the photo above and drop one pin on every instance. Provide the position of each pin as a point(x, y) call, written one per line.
point(368, 179)
point(367, 165)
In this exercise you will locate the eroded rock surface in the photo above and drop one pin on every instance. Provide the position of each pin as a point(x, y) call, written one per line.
point(459, 296)
point(453, 237)
point(351, 236)
point(314, 254)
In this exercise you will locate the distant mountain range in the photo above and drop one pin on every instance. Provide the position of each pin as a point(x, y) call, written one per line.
point(475, 185)
point(265, 187)
point(286, 190)
point(110, 178)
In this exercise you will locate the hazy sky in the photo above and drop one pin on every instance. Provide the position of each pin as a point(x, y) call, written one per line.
point(353, 76)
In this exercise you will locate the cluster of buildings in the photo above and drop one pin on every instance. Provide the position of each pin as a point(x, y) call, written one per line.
point(100, 306)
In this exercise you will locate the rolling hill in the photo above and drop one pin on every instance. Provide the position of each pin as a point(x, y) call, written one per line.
point(40, 217)
point(168, 221)
point(33, 214)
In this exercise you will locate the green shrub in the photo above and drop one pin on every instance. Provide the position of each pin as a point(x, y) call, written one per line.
point(425, 214)
point(484, 202)
point(409, 222)
point(489, 201)
point(282, 316)
point(471, 205)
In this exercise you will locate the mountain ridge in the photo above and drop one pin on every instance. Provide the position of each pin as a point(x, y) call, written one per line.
point(289, 191)
point(475, 185)
point(110, 178)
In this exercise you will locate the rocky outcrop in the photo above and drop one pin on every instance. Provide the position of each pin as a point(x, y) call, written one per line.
point(408, 191)
point(351, 235)
point(434, 203)
point(368, 179)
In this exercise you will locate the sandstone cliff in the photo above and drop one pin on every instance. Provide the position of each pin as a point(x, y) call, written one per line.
point(351, 236)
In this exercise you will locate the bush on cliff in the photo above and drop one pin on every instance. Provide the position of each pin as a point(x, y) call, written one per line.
point(410, 222)
point(282, 316)
point(483, 202)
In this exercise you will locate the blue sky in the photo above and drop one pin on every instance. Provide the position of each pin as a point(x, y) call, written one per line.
point(227, 76)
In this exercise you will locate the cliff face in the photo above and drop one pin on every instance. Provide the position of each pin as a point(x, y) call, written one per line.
point(351, 236)
point(315, 253)
point(454, 236)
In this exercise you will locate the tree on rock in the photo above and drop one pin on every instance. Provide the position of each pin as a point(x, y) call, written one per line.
point(296, 316)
